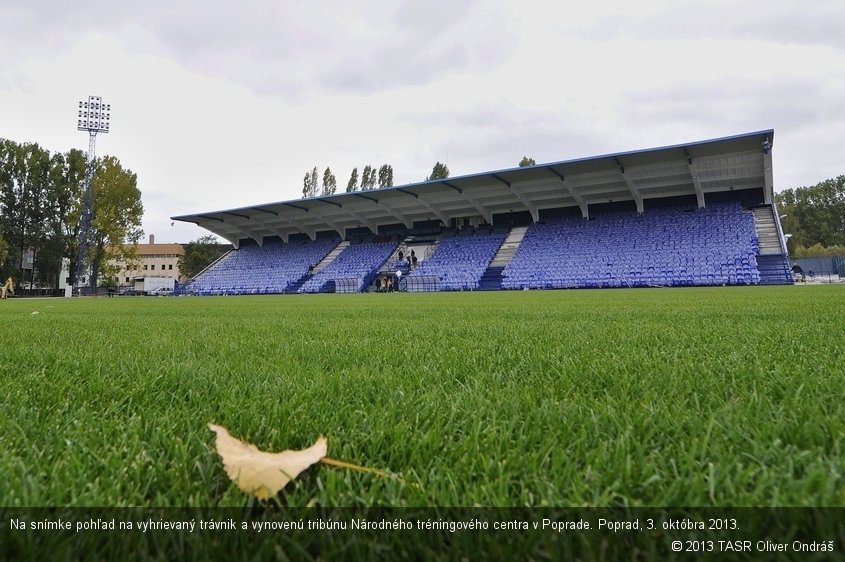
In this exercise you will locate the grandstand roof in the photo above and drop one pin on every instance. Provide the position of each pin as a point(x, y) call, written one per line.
point(696, 168)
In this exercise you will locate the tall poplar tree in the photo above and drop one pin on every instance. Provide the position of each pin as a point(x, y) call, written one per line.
point(329, 182)
point(352, 185)
point(385, 176)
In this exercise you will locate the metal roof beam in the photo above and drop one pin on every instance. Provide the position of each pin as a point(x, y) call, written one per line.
point(309, 231)
point(585, 209)
point(406, 192)
point(638, 198)
point(532, 208)
point(768, 178)
point(230, 237)
point(274, 228)
point(335, 226)
point(696, 183)
point(239, 230)
point(362, 196)
point(361, 218)
point(481, 209)
point(233, 234)
point(365, 221)
point(398, 215)
point(242, 232)
point(296, 207)
point(437, 212)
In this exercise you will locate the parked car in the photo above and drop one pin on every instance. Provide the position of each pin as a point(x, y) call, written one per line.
point(127, 292)
point(161, 292)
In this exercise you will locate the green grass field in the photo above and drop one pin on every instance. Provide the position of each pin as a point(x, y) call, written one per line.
point(658, 397)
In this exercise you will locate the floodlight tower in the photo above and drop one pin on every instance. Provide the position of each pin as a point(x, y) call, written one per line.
point(93, 117)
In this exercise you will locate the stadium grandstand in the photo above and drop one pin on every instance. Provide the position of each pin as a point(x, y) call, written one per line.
point(701, 213)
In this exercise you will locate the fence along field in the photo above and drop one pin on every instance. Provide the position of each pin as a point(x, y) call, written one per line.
point(689, 397)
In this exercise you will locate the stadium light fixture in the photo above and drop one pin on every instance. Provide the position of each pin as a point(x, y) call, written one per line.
point(94, 117)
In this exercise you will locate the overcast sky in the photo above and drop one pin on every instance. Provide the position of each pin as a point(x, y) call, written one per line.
point(225, 104)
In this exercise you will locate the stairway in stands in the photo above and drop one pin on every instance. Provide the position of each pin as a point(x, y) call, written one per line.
point(492, 278)
point(324, 263)
point(393, 263)
point(772, 262)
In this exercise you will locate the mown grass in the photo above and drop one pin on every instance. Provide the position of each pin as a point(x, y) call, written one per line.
point(660, 397)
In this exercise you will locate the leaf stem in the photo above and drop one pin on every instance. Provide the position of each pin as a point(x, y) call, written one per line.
point(343, 464)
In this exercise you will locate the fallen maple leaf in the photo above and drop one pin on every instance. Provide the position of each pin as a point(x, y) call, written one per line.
point(260, 473)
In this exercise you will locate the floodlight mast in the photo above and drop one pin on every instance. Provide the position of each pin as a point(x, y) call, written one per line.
point(93, 117)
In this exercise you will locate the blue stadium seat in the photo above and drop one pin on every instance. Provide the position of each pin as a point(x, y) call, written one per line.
point(671, 246)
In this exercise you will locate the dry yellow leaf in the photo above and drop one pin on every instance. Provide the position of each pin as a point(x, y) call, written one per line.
point(260, 473)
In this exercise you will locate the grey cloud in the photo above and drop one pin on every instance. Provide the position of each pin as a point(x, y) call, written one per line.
point(283, 49)
point(817, 23)
point(398, 65)
point(443, 42)
point(498, 135)
point(432, 19)
point(788, 103)
point(805, 28)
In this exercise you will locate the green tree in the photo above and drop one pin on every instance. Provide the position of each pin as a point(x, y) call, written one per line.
point(817, 250)
point(310, 184)
point(385, 176)
point(527, 161)
point(199, 254)
point(814, 214)
point(329, 182)
point(352, 185)
point(116, 223)
point(41, 208)
point(67, 178)
point(439, 172)
point(368, 178)
point(24, 178)
point(4, 249)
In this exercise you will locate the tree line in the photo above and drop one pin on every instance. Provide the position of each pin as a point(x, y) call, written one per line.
point(815, 217)
point(368, 179)
point(369, 176)
point(41, 202)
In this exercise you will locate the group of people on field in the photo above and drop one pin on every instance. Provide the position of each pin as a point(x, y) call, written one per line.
point(390, 283)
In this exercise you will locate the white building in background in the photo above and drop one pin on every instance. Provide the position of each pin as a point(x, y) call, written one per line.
point(155, 260)
point(158, 262)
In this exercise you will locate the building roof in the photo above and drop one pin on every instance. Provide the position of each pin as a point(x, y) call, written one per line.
point(695, 168)
point(155, 249)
